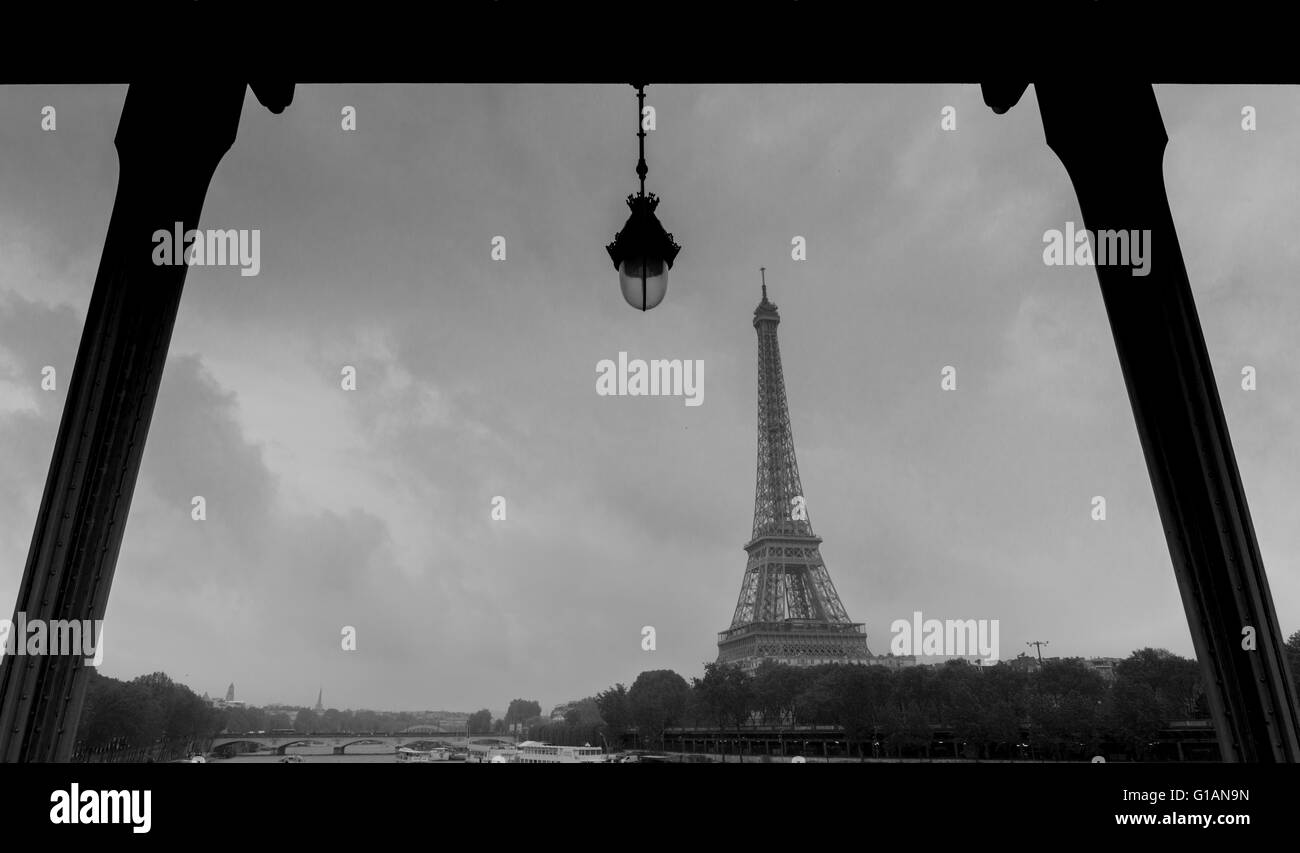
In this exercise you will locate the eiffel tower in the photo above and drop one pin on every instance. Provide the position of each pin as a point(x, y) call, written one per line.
point(788, 609)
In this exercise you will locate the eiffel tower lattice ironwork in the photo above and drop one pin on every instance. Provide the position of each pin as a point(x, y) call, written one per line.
point(788, 610)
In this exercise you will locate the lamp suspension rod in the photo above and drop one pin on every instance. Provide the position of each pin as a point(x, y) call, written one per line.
point(641, 168)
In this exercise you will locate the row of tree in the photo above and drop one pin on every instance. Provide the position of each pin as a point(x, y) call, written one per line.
point(519, 715)
point(1065, 702)
point(152, 709)
point(1062, 702)
point(147, 712)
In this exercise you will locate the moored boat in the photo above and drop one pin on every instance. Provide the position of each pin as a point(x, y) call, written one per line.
point(406, 755)
point(534, 752)
point(491, 754)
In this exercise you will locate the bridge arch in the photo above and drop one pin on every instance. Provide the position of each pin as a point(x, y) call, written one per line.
point(220, 742)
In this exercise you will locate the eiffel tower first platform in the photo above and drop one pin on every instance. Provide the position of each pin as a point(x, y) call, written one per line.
point(788, 610)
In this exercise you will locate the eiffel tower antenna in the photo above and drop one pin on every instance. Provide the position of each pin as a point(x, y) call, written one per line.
point(788, 608)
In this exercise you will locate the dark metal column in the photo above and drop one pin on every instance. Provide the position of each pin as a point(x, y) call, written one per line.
point(1111, 141)
point(169, 141)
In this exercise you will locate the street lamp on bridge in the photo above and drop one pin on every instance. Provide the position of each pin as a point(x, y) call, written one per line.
point(643, 251)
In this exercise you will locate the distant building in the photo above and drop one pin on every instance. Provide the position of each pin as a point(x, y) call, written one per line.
point(441, 722)
point(320, 707)
point(892, 661)
point(1024, 663)
point(228, 702)
point(1105, 667)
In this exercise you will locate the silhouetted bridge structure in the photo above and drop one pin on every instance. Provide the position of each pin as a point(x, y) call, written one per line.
point(338, 742)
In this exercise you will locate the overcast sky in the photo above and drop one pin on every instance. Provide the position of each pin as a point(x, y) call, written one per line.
point(476, 378)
